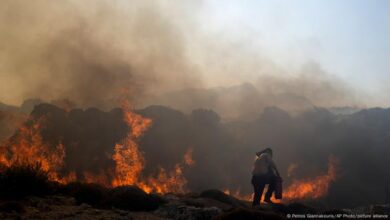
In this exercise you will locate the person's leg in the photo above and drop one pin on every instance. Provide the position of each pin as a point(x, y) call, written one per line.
point(271, 189)
point(258, 187)
point(256, 198)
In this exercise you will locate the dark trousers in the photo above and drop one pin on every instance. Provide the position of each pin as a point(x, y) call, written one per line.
point(259, 183)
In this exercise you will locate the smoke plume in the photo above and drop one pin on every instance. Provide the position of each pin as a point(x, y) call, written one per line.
point(90, 52)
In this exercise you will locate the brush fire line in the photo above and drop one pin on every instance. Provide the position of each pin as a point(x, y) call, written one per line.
point(310, 188)
point(27, 147)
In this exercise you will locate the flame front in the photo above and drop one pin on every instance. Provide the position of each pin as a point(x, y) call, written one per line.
point(128, 158)
point(300, 189)
point(28, 147)
point(312, 188)
point(130, 161)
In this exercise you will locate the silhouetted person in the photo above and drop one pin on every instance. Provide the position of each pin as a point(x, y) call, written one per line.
point(264, 172)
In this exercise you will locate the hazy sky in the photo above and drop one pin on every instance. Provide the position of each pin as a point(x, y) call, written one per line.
point(349, 38)
point(48, 49)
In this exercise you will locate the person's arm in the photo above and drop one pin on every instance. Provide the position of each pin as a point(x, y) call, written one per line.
point(277, 172)
point(274, 167)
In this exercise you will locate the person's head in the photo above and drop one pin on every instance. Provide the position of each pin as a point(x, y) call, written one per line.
point(267, 150)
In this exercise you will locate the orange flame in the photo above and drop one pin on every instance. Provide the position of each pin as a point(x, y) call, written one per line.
point(101, 178)
point(313, 188)
point(172, 181)
point(300, 189)
point(27, 147)
point(130, 162)
point(128, 158)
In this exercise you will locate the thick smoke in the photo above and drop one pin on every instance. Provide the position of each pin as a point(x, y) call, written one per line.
point(90, 52)
point(9, 122)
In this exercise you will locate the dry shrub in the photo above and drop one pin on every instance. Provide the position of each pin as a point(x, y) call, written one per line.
point(21, 180)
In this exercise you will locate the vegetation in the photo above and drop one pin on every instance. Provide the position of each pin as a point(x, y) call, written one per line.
point(21, 180)
point(133, 199)
point(89, 193)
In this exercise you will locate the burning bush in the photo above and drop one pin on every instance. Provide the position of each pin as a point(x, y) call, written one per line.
point(313, 188)
point(20, 180)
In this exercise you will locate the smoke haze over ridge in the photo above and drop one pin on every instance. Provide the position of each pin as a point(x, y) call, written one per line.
point(89, 51)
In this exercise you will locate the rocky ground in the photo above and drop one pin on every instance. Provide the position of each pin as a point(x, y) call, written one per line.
point(211, 204)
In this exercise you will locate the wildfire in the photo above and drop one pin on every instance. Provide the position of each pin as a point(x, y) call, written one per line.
point(102, 177)
point(169, 181)
point(130, 162)
point(28, 147)
point(172, 181)
point(312, 188)
point(300, 189)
